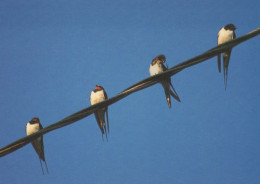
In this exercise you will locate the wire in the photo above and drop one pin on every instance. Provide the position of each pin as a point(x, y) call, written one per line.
point(134, 88)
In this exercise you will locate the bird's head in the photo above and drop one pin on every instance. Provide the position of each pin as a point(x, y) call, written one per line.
point(230, 27)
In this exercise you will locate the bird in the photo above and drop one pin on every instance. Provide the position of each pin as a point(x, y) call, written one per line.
point(98, 95)
point(225, 34)
point(157, 67)
point(34, 126)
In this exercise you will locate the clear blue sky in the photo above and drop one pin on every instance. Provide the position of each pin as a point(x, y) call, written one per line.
point(53, 53)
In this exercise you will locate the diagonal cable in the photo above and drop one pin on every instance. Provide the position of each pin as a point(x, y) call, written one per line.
point(134, 88)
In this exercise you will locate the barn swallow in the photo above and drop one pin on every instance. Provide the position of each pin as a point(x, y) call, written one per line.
point(34, 126)
point(225, 34)
point(96, 96)
point(157, 67)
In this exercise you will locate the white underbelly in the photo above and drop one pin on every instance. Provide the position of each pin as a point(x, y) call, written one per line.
point(155, 69)
point(225, 36)
point(97, 97)
point(32, 128)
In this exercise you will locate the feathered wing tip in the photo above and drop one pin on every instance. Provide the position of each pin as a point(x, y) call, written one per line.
point(47, 170)
point(41, 166)
point(39, 148)
point(225, 76)
point(169, 92)
point(226, 58)
point(105, 130)
point(102, 124)
point(42, 158)
point(219, 63)
point(107, 120)
point(174, 93)
point(106, 124)
point(46, 167)
point(99, 122)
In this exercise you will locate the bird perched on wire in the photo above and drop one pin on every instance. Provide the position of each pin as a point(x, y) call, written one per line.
point(96, 96)
point(34, 126)
point(225, 34)
point(157, 67)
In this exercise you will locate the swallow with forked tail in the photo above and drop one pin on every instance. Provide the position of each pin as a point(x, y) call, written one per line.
point(225, 34)
point(157, 67)
point(96, 96)
point(34, 126)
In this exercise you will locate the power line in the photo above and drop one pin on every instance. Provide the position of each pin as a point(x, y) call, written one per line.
point(134, 88)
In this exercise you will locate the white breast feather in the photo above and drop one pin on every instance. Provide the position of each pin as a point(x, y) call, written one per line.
point(224, 36)
point(32, 128)
point(97, 97)
point(155, 69)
